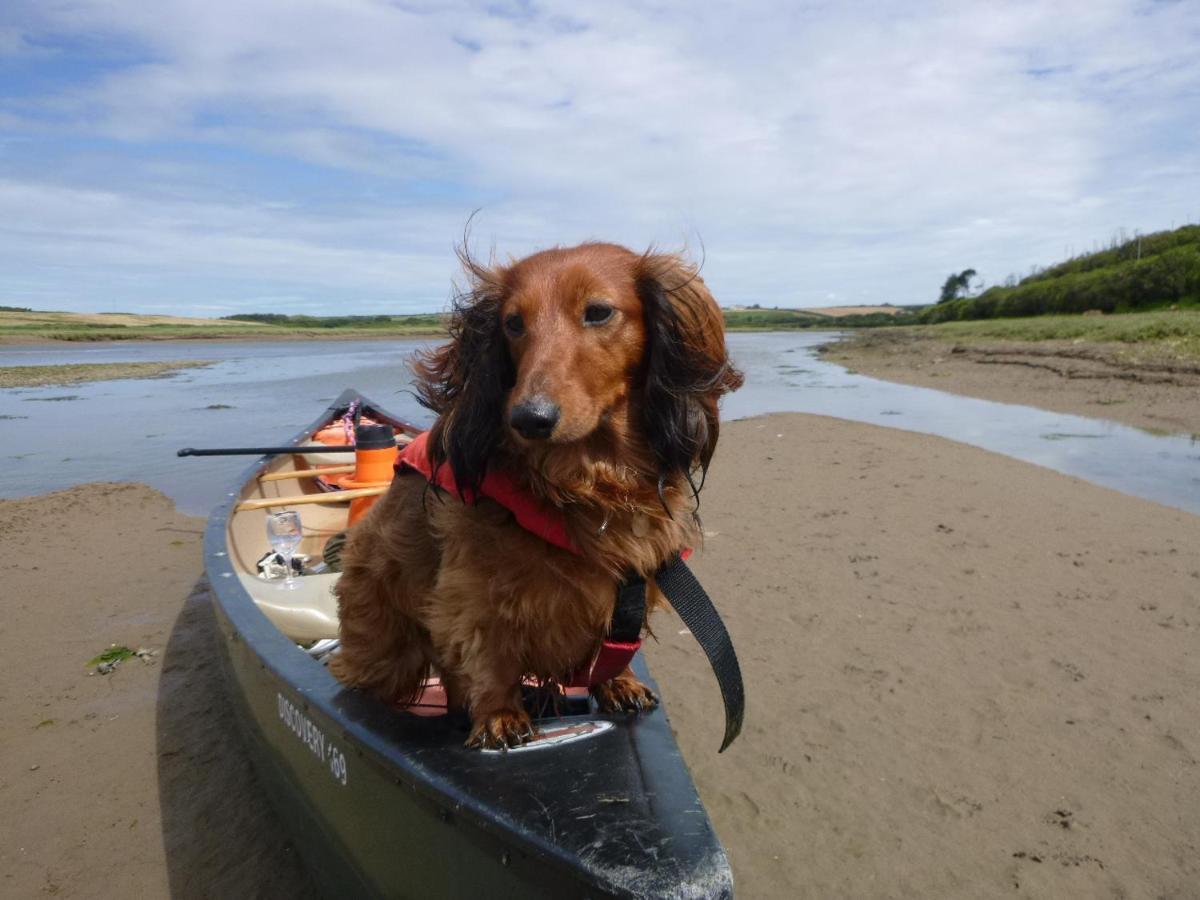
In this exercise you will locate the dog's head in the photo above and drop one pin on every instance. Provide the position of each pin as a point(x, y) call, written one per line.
point(594, 344)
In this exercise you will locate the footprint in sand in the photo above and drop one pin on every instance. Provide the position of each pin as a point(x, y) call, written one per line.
point(741, 801)
point(1070, 668)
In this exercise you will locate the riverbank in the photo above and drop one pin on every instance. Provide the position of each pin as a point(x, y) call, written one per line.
point(965, 676)
point(1150, 384)
point(37, 327)
point(41, 327)
point(79, 373)
point(214, 335)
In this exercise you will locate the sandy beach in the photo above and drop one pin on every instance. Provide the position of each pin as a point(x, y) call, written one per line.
point(133, 783)
point(1125, 383)
point(966, 676)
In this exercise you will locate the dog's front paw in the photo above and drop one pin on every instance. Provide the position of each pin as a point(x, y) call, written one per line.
point(624, 694)
point(500, 730)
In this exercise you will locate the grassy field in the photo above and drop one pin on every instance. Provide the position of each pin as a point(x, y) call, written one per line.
point(772, 319)
point(838, 312)
point(17, 327)
point(1175, 332)
point(1169, 333)
point(61, 326)
point(788, 319)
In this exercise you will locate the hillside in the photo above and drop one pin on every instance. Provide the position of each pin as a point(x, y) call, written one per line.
point(1148, 272)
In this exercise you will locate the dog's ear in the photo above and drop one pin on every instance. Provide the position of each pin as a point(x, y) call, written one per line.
point(687, 368)
point(466, 380)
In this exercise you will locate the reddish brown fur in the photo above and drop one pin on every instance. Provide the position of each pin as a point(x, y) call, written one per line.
point(430, 582)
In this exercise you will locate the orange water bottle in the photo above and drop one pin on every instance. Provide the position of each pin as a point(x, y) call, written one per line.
point(374, 464)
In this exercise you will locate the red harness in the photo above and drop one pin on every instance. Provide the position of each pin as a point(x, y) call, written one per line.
point(537, 517)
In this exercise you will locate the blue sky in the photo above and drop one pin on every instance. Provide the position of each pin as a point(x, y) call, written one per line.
point(207, 157)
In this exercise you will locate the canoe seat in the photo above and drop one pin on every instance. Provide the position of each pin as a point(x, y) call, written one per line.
point(307, 613)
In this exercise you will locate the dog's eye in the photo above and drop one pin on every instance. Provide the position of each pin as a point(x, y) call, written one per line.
point(597, 314)
point(514, 324)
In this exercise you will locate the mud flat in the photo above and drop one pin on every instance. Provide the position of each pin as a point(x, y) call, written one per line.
point(78, 373)
point(1102, 380)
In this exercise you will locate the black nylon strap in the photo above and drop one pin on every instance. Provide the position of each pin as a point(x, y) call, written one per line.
point(685, 594)
point(630, 612)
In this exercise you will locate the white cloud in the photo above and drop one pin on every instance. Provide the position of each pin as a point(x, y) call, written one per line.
point(861, 150)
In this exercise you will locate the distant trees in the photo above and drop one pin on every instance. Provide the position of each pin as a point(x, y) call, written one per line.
point(956, 285)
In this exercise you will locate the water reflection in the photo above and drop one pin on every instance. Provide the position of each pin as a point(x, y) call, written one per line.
point(254, 394)
point(257, 393)
point(783, 373)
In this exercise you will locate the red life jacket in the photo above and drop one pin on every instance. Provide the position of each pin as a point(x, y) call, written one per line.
point(537, 517)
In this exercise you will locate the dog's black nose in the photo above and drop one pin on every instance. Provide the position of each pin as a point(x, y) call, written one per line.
point(534, 418)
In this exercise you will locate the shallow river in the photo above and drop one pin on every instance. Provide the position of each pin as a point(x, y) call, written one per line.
point(259, 393)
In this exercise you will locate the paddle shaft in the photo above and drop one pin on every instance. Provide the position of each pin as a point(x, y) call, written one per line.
point(275, 451)
point(265, 451)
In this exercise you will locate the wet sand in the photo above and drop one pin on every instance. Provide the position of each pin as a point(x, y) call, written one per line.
point(966, 676)
point(1104, 380)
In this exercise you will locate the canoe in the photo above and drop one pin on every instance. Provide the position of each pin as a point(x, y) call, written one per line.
point(387, 802)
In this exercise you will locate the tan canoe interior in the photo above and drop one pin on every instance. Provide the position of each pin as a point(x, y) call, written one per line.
point(309, 612)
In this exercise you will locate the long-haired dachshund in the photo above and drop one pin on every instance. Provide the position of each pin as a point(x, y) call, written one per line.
point(591, 377)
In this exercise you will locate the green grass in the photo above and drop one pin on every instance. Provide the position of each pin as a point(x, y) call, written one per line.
point(70, 327)
point(1174, 332)
point(425, 322)
point(79, 328)
point(788, 319)
point(218, 331)
point(771, 319)
point(113, 333)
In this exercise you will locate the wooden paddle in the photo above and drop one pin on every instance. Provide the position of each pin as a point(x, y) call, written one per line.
point(299, 499)
point(307, 473)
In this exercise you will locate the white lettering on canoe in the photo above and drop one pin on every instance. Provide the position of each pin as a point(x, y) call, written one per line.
point(295, 721)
